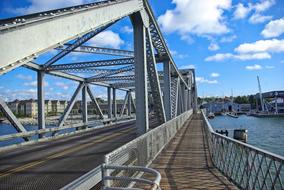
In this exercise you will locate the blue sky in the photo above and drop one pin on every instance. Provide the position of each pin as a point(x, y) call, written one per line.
point(228, 42)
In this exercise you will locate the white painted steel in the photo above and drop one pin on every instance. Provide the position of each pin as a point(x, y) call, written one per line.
point(47, 34)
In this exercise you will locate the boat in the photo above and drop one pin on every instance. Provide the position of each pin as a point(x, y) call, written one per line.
point(1, 120)
point(211, 115)
point(232, 114)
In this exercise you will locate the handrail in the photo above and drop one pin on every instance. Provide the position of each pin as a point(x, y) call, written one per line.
point(144, 149)
point(247, 166)
point(270, 154)
point(155, 184)
point(54, 129)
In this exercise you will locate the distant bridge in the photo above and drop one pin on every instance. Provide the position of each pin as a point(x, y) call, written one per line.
point(59, 156)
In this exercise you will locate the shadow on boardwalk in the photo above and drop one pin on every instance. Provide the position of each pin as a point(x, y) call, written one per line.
point(185, 162)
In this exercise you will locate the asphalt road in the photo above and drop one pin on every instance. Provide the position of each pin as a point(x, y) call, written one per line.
point(52, 165)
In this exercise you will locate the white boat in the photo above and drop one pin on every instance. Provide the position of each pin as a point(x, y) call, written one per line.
point(223, 114)
point(232, 114)
point(211, 115)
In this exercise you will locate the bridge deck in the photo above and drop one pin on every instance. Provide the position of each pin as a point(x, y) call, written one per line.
point(51, 165)
point(185, 163)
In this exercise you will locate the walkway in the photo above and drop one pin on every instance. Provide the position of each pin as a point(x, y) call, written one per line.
point(185, 163)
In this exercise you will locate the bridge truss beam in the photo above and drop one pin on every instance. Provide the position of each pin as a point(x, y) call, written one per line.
point(154, 81)
point(58, 27)
point(99, 50)
point(91, 64)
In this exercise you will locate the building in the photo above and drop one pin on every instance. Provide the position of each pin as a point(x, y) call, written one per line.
point(26, 108)
point(29, 108)
point(226, 106)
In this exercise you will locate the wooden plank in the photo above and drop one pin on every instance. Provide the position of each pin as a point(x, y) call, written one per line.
point(185, 162)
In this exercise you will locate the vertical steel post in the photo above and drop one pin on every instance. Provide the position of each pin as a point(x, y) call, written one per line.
point(109, 102)
point(182, 87)
point(40, 101)
point(129, 103)
point(167, 89)
point(194, 93)
point(141, 93)
point(114, 103)
point(84, 105)
point(276, 105)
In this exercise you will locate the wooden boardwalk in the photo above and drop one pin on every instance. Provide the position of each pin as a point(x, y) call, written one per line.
point(185, 162)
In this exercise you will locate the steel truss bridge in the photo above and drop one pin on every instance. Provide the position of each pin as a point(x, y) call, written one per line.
point(164, 102)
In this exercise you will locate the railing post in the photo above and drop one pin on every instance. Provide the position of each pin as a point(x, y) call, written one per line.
point(84, 105)
point(109, 102)
point(141, 91)
point(129, 103)
point(114, 103)
point(40, 101)
point(167, 89)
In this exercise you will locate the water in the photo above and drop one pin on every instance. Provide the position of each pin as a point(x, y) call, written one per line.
point(265, 133)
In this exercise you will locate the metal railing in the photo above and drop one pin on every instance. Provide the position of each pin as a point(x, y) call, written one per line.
point(150, 181)
point(248, 167)
point(143, 150)
point(109, 123)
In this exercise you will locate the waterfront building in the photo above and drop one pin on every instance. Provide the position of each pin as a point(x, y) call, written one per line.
point(226, 106)
point(28, 108)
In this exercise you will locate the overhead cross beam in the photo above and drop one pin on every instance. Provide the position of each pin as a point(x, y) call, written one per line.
point(99, 50)
point(112, 72)
point(91, 64)
point(76, 44)
point(114, 78)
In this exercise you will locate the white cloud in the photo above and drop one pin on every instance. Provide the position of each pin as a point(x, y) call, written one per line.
point(107, 39)
point(274, 28)
point(258, 18)
point(263, 5)
point(62, 85)
point(270, 67)
point(127, 29)
point(241, 11)
point(178, 55)
point(190, 66)
point(242, 57)
point(215, 75)
point(273, 45)
point(43, 5)
point(213, 46)
point(254, 67)
point(24, 77)
point(34, 83)
point(203, 80)
point(252, 51)
point(10, 95)
point(187, 38)
point(228, 39)
point(196, 17)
